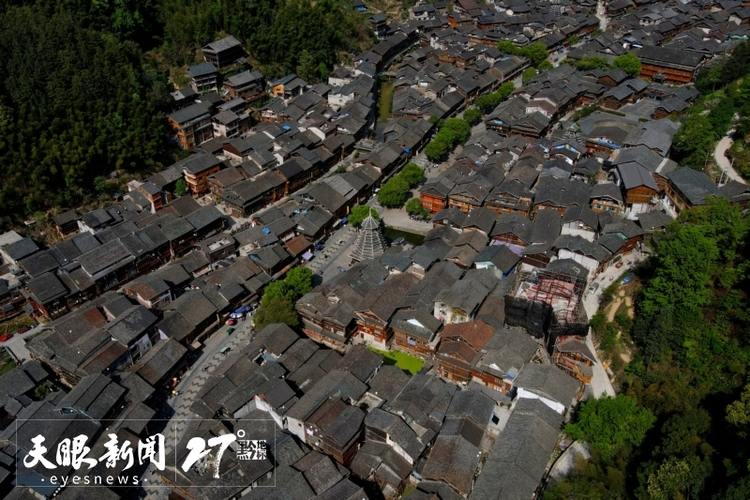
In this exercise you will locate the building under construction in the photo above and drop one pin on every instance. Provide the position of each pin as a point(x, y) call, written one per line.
point(548, 305)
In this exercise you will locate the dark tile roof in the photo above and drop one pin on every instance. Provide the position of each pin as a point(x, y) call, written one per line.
point(46, 288)
point(21, 248)
point(105, 258)
point(360, 362)
point(96, 395)
point(500, 256)
point(13, 384)
point(204, 217)
point(548, 381)
point(417, 323)
point(388, 382)
point(453, 461)
point(39, 263)
point(194, 307)
point(694, 185)
point(160, 360)
point(518, 459)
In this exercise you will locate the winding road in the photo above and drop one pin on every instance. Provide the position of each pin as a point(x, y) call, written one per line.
point(722, 161)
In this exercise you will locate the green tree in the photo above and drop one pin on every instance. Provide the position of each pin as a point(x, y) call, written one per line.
point(276, 289)
point(300, 281)
point(572, 40)
point(276, 310)
point(738, 412)
point(528, 75)
point(611, 425)
point(414, 207)
point(457, 130)
point(693, 142)
point(677, 478)
point(412, 173)
point(437, 149)
point(473, 116)
point(42, 391)
point(360, 213)
point(721, 116)
point(591, 62)
point(393, 192)
point(77, 103)
point(536, 52)
point(629, 63)
point(307, 66)
point(180, 187)
point(488, 102)
point(507, 47)
point(545, 65)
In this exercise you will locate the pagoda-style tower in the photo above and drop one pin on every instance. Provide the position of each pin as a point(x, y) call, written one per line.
point(370, 243)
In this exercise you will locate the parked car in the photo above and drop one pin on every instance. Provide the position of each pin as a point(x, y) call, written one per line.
point(341, 269)
point(627, 279)
point(231, 322)
point(230, 331)
point(225, 350)
point(593, 288)
point(618, 265)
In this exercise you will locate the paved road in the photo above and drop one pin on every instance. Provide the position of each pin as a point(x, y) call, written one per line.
point(17, 344)
point(327, 261)
point(600, 382)
point(601, 13)
point(189, 387)
point(719, 155)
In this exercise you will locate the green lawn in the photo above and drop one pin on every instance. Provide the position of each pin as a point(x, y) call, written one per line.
point(386, 99)
point(410, 364)
point(6, 365)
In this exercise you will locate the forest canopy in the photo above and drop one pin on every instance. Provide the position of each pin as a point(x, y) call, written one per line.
point(84, 86)
point(75, 103)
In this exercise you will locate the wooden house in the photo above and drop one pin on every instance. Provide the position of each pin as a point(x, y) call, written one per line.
point(415, 332)
point(223, 52)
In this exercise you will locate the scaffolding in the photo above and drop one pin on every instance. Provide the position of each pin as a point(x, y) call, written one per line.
point(548, 304)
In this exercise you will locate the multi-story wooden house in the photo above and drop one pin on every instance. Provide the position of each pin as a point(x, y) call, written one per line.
point(197, 169)
point(503, 356)
point(223, 52)
point(204, 78)
point(248, 85)
point(415, 332)
point(573, 357)
point(509, 197)
point(379, 305)
point(459, 345)
point(669, 65)
point(192, 125)
point(607, 198)
point(513, 230)
point(639, 187)
point(327, 321)
point(688, 188)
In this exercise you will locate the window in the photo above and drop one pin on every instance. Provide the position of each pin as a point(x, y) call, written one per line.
point(411, 341)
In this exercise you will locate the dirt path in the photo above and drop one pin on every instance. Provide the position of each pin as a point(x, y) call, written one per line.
point(629, 304)
point(613, 309)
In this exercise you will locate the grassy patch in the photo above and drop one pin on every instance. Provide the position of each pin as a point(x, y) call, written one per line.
point(14, 324)
point(410, 364)
point(6, 365)
point(386, 99)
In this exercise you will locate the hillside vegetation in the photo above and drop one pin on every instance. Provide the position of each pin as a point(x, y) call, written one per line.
point(84, 87)
point(689, 371)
